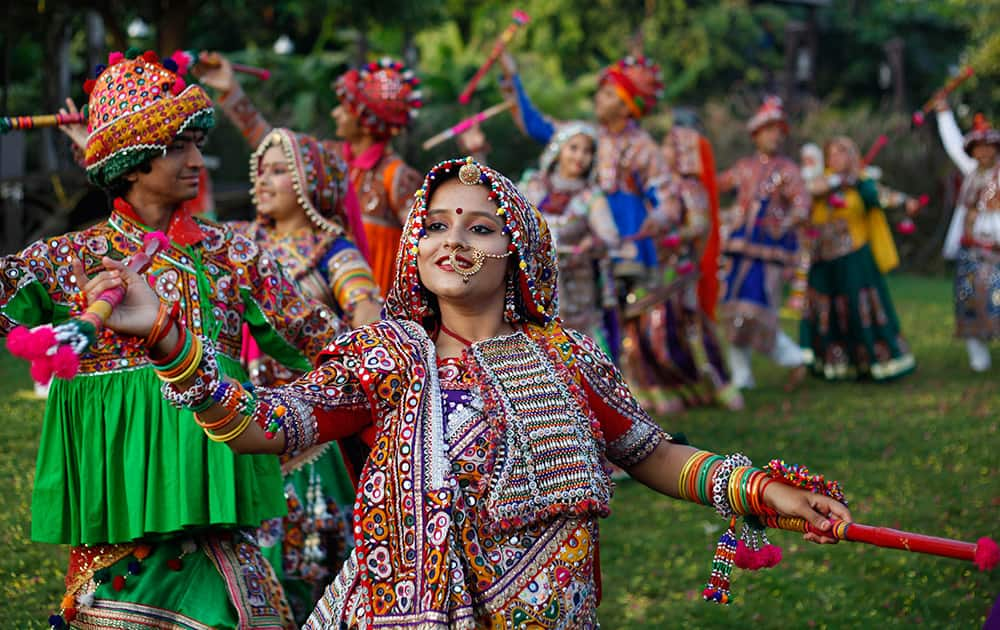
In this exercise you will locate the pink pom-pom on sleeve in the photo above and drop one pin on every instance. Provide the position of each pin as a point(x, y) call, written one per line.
point(115, 57)
point(39, 342)
point(178, 86)
point(41, 370)
point(17, 342)
point(65, 363)
point(157, 236)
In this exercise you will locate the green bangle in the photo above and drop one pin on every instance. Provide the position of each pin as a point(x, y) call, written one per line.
point(702, 487)
point(203, 405)
point(181, 356)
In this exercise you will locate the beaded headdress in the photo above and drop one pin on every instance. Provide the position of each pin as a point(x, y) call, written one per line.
point(319, 176)
point(532, 289)
point(771, 111)
point(383, 95)
point(981, 132)
point(550, 156)
point(639, 83)
point(137, 106)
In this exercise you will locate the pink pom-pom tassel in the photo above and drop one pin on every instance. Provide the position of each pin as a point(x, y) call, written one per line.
point(178, 86)
point(157, 236)
point(906, 226)
point(115, 57)
point(65, 363)
point(987, 554)
point(18, 342)
point(36, 343)
point(41, 370)
point(671, 241)
point(772, 555)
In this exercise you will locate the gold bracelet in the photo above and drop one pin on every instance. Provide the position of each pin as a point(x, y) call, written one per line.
point(232, 435)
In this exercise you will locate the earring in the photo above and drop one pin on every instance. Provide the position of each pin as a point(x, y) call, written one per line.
point(510, 301)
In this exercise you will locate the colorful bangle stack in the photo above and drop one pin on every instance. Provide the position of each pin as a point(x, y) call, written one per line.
point(182, 362)
point(693, 482)
point(745, 491)
point(720, 483)
point(234, 396)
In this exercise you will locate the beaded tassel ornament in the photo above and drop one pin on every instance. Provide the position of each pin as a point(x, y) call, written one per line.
point(751, 550)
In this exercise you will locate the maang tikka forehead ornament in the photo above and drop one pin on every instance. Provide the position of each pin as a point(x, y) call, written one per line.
point(532, 293)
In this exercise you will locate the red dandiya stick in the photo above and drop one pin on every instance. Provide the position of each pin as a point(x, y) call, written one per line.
point(984, 552)
point(261, 73)
point(199, 59)
point(56, 350)
point(873, 152)
point(12, 123)
point(520, 19)
point(920, 115)
point(465, 124)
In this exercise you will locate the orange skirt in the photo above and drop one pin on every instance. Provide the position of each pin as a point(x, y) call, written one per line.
point(383, 243)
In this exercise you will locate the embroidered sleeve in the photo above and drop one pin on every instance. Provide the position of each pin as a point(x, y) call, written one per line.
point(630, 434)
point(796, 194)
point(696, 208)
point(35, 284)
point(405, 181)
point(727, 179)
point(350, 278)
point(325, 404)
point(245, 115)
point(288, 326)
point(601, 221)
point(890, 197)
point(868, 190)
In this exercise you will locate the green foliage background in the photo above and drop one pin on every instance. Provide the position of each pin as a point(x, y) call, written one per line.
point(719, 58)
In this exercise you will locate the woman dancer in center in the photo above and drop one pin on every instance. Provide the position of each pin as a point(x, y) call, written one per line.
point(490, 426)
point(565, 191)
point(308, 218)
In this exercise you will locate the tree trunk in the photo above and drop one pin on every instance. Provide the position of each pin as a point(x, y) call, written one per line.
point(171, 26)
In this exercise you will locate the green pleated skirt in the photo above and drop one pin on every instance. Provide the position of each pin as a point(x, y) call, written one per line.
point(117, 463)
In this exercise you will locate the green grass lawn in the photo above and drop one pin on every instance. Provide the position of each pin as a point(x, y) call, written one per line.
point(912, 455)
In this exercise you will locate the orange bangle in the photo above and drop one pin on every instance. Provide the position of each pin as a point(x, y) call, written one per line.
point(218, 424)
point(159, 324)
point(692, 480)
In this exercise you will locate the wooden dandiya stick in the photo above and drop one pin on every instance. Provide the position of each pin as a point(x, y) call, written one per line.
point(520, 19)
point(261, 73)
point(465, 124)
point(13, 123)
point(984, 552)
point(920, 116)
point(56, 350)
point(873, 152)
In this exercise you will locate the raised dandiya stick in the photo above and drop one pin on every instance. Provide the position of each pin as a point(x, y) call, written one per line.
point(56, 350)
point(520, 19)
point(464, 125)
point(873, 152)
point(12, 123)
point(197, 59)
point(984, 552)
point(920, 116)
